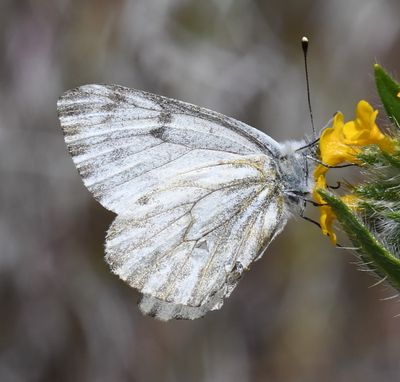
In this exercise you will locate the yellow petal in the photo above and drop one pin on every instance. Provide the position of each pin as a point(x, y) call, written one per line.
point(332, 146)
point(365, 114)
point(364, 131)
point(326, 220)
point(320, 183)
point(326, 214)
point(320, 170)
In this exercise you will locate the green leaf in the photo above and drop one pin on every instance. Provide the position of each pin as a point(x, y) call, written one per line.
point(372, 251)
point(388, 90)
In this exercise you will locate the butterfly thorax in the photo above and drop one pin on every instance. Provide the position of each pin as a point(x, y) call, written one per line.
point(295, 171)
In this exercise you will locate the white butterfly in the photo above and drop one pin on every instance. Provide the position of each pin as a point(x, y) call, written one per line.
point(198, 195)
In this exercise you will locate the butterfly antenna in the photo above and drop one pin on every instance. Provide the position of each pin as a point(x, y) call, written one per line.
point(304, 45)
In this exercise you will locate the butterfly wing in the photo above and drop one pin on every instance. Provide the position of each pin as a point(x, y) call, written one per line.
point(196, 193)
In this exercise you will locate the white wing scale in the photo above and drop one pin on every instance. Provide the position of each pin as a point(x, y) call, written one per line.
point(196, 193)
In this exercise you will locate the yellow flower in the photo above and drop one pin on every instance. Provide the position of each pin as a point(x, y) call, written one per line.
point(327, 216)
point(332, 145)
point(363, 130)
point(341, 143)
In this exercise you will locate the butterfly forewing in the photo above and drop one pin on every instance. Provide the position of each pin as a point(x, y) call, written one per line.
point(197, 194)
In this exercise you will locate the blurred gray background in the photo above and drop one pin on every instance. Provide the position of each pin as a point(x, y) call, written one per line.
point(303, 313)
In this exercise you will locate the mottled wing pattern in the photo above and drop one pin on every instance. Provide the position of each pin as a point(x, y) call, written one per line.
point(196, 193)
